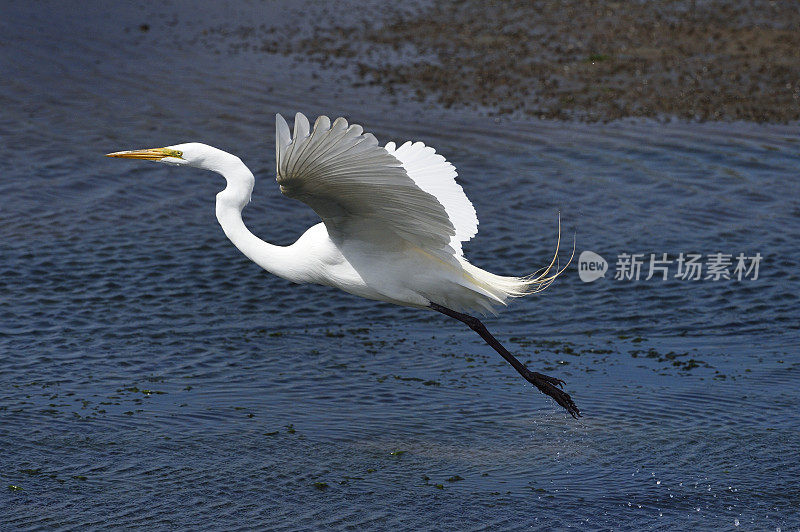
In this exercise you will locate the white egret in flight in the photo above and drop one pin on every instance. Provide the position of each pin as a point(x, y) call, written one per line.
point(393, 220)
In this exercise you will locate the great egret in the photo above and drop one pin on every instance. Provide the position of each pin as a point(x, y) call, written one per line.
point(393, 220)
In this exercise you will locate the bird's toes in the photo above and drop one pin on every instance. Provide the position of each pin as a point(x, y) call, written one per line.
point(552, 380)
point(547, 385)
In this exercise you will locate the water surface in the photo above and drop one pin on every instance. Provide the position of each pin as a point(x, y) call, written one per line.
point(150, 375)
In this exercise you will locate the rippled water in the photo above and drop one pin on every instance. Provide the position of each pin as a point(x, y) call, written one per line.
point(151, 376)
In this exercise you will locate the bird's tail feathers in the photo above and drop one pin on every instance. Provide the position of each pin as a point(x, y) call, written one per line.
point(501, 288)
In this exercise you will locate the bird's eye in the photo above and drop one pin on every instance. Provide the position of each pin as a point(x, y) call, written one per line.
point(174, 153)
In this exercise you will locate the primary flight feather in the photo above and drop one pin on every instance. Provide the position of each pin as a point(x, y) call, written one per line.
point(393, 222)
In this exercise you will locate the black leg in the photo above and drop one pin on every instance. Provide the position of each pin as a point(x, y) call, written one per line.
point(547, 385)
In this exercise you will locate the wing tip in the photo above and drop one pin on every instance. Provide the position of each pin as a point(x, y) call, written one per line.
point(301, 126)
point(282, 134)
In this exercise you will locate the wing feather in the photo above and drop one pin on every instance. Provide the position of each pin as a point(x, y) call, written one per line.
point(433, 174)
point(346, 177)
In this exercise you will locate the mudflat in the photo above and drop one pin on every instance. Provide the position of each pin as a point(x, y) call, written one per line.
point(588, 60)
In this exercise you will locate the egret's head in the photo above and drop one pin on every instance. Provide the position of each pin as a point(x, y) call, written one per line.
point(189, 154)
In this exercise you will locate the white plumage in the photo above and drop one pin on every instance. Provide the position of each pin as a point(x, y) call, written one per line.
point(433, 174)
point(348, 179)
point(388, 210)
point(393, 223)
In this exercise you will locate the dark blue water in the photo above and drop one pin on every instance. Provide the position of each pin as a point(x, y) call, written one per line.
point(150, 375)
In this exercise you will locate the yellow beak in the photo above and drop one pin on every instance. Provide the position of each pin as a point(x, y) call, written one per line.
point(150, 154)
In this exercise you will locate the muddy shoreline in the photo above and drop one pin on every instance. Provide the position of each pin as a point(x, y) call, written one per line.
point(593, 61)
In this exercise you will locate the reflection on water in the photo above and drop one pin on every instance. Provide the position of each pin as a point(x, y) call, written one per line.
point(151, 375)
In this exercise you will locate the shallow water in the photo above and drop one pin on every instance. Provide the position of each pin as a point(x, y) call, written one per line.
point(151, 375)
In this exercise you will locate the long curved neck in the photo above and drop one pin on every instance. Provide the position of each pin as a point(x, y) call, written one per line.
point(278, 260)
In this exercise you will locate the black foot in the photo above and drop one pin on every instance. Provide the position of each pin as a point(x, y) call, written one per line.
point(547, 385)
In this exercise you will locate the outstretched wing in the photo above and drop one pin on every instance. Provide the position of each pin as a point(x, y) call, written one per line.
point(433, 174)
point(342, 173)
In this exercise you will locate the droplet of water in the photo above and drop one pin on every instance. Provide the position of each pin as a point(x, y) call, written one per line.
point(658, 482)
point(736, 521)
